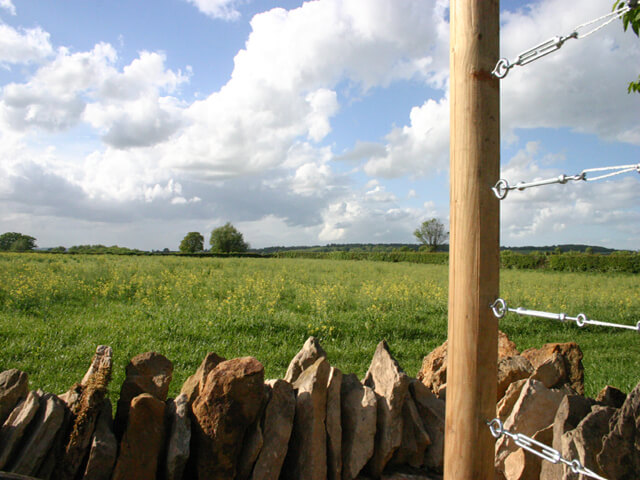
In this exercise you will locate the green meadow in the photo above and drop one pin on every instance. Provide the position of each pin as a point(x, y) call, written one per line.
point(55, 309)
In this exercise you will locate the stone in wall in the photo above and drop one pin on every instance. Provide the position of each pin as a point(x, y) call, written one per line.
point(15, 425)
point(191, 386)
point(620, 454)
point(511, 369)
point(552, 372)
point(334, 425)
point(142, 440)
point(178, 438)
point(391, 385)
point(509, 399)
point(524, 465)
point(148, 372)
point(571, 411)
point(85, 409)
point(433, 373)
point(535, 410)
point(585, 441)
point(311, 351)
point(307, 455)
point(432, 412)
point(359, 412)
point(229, 402)
point(42, 432)
point(102, 362)
point(415, 439)
point(104, 447)
point(277, 424)
point(14, 387)
point(611, 397)
point(571, 355)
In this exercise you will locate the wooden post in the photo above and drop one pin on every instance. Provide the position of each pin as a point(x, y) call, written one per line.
point(474, 240)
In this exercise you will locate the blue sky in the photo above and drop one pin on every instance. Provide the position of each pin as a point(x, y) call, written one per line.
point(133, 123)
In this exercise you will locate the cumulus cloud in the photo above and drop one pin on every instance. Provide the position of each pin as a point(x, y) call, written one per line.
point(221, 9)
point(126, 106)
point(283, 86)
point(30, 45)
point(582, 86)
point(418, 149)
point(576, 212)
point(371, 215)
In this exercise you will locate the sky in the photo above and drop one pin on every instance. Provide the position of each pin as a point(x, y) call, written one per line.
point(301, 123)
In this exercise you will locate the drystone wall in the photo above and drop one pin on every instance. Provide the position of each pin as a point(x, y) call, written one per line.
point(317, 423)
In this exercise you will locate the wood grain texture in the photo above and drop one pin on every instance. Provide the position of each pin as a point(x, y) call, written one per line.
point(474, 240)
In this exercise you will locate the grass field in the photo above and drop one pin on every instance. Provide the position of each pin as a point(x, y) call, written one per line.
point(55, 309)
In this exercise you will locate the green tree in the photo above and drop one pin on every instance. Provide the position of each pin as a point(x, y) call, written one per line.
point(431, 233)
point(631, 18)
point(227, 239)
point(16, 242)
point(192, 242)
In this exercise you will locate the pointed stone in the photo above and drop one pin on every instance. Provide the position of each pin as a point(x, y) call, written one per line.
point(334, 425)
point(433, 372)
point(572, 356)
point(511, 369)
point(552, 372)
point(307, 455)
point(104, 447)
point(359, 411)
point(277, 424)
point(142, 440)
point(14, 387)
point(230, 400)
point(102, 362)
point(191, 386)
point(620, 454)
point(611, 397)
point(178, 441)
point(390, 384)
point(85, 409)
point(535, 410)
point(43, 431)
point(432, 411)
point(585, 441)
point(310, 353)
point(15, 426)
point(148, 372)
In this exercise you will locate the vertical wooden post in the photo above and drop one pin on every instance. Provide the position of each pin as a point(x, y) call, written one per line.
point(474, 240)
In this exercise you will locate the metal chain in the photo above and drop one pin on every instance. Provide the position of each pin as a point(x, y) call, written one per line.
point(545, 48)
point(502, 187)
point(539, 449)
point(500, 309)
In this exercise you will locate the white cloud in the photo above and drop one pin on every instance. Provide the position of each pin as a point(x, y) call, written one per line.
point(8, 6)
point(283, 84)
point(222, 9)
point(419, 149)
point(372, 216)
point(23, 46)
point(583, 85)
point(126, 107)
point(576, 212)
